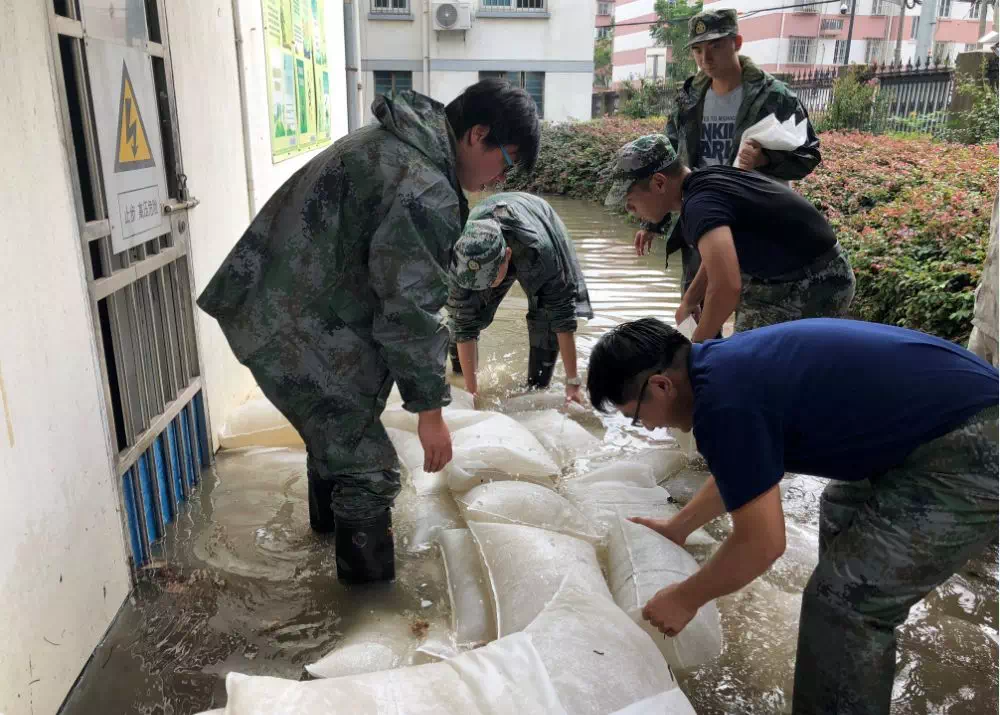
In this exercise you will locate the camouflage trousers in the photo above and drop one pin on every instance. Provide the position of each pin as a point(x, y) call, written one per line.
point(884, 544)
point(332, 384)
point(823, 289)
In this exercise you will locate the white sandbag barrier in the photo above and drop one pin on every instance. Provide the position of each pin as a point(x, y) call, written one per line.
point(526, 504)
point(472, 619)
point(673, 701)
point(497, 448)
point(665, 462)
point(257, 423)
point(641, 562)
point(562, 438)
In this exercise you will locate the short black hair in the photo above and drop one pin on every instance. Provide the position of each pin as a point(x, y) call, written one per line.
point(624, 354)
point(508, 111)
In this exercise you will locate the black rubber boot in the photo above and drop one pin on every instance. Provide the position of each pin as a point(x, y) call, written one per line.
point(320, 503)
point(456, 366)
point(541, 363)
point(365, 553)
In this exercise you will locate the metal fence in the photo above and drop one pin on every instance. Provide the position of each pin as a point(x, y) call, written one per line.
point(908, 97)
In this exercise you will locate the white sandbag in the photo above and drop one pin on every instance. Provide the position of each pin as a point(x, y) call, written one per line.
point(258, 423)
point(601, 501)
point(217, 711)
point(597, 659)
point(525, 504)
point(671, 702)
point(357, 658)
point(641, 562)
point(525, 567)
point(497, 448)
point(418, 519)
point(505, 677)
point(472, 619)
point(562, 438)
point(534, 401)
point(455, 418)
point(630, 472)
point(665, 462)
point(411, 456)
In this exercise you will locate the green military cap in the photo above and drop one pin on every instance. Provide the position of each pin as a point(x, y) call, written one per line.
point(635, 161)
point(478, 254)
point(711, 25)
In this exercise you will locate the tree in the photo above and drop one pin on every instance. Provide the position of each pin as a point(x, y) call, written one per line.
point(602, 62)
point(671, 30)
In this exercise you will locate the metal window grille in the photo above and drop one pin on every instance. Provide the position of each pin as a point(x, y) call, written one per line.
point(390, 7)
point(390, 83)
point(879, 7)
point(604, 8)
point(831, 25)
point(801, 50)
point(840, 52)
point(874, 51)
point(532, 82)
point(944, 8)
point(488, 6)
point(141, 299)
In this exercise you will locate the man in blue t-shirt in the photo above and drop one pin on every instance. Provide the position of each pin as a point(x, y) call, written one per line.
point(766, 252)
point(904, 422)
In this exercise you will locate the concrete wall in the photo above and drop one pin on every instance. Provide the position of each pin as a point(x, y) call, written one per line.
point(560, 45)
point(63, 572)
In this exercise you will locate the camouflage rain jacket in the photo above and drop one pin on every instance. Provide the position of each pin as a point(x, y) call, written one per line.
point(762, 95)
point(542, 258)
point(361, 235)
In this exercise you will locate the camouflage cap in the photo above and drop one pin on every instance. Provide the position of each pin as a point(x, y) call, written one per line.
point(478, 254)
point(711, 25)
point(635, 161)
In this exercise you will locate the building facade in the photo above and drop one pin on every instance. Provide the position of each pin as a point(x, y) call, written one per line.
point(802, 34)
point(440, 47)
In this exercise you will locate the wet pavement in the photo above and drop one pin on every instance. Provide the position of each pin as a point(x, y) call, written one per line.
point(242, 583)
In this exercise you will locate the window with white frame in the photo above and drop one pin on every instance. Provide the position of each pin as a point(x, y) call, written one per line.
point(831, 24)
point(971, 47)
point(879, 7)
point(605, 8)
point(390, 83)
point(943, 51)
point(840, 52)
point(390, 7)
point(944, 8)
point(874, 51)
point(602, 33)
point(516, 5)
point(801, 50)
point(531, 82)
point(915, 28)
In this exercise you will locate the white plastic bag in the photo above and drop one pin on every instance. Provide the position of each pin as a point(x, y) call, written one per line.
point(526, 504)
point(664, 461)
point(601, 501)
point(641, 562)
point(411, 456)
point(525, 567)
point(454, 417)
point(506, 677)
point(472, 619)
point(497, 448)
point(671, 702)
point(562, 438)
point(380, 641)
point(631, 472)
point(258, 423)
point(419, 518)
point(597, 659)
point(775, 135)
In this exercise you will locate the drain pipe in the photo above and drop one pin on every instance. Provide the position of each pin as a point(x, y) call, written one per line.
point(425, 32)
point(351, 65)
point(244, 112)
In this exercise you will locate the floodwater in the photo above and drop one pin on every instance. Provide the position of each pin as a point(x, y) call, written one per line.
point(243, 584)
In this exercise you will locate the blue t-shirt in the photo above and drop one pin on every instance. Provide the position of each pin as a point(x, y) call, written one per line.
point(833, 398)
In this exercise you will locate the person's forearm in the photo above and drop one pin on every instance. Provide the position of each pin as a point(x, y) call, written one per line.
point(737, 562)
point(567, 350)
point(704, 506)
point(468, 358)
point(720, 302)
point(696, 291)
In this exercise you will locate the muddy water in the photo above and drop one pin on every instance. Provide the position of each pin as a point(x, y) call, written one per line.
point(243, 584)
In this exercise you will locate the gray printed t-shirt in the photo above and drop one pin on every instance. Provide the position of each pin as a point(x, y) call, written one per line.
point(718, 126)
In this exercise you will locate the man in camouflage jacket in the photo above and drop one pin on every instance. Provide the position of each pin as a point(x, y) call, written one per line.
point(715, 41)
point(335, 291)
point(518, 237)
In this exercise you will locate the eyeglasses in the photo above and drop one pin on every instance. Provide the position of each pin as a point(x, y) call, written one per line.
point(508, 164)
point(638, 403)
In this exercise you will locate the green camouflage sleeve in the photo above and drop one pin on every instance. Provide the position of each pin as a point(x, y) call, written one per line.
point(797, 164)
point(464, 316)
point(408, 264)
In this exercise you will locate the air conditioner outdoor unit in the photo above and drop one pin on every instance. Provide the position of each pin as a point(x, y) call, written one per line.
point(452, 15)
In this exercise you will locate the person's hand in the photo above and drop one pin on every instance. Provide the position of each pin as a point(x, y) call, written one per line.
point(435, 439)
point(669, 611)
point(683, 311)
point(643, 242)
point(573, 394)
point(664, 527)
point(751, 156)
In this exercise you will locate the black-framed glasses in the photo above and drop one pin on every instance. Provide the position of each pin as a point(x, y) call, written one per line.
point(638, 403)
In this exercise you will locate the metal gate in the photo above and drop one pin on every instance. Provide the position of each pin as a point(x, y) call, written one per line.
point(141, 298)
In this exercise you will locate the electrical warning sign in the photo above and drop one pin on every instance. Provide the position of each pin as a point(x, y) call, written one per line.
point(133, 150)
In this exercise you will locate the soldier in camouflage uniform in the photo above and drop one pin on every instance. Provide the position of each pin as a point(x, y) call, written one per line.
point(727, 96)
point(335, 292)
point(903, 424)
point(518, 237)
point(768, 254)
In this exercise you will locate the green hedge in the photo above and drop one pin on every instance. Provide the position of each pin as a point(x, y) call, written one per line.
point(912, 213)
